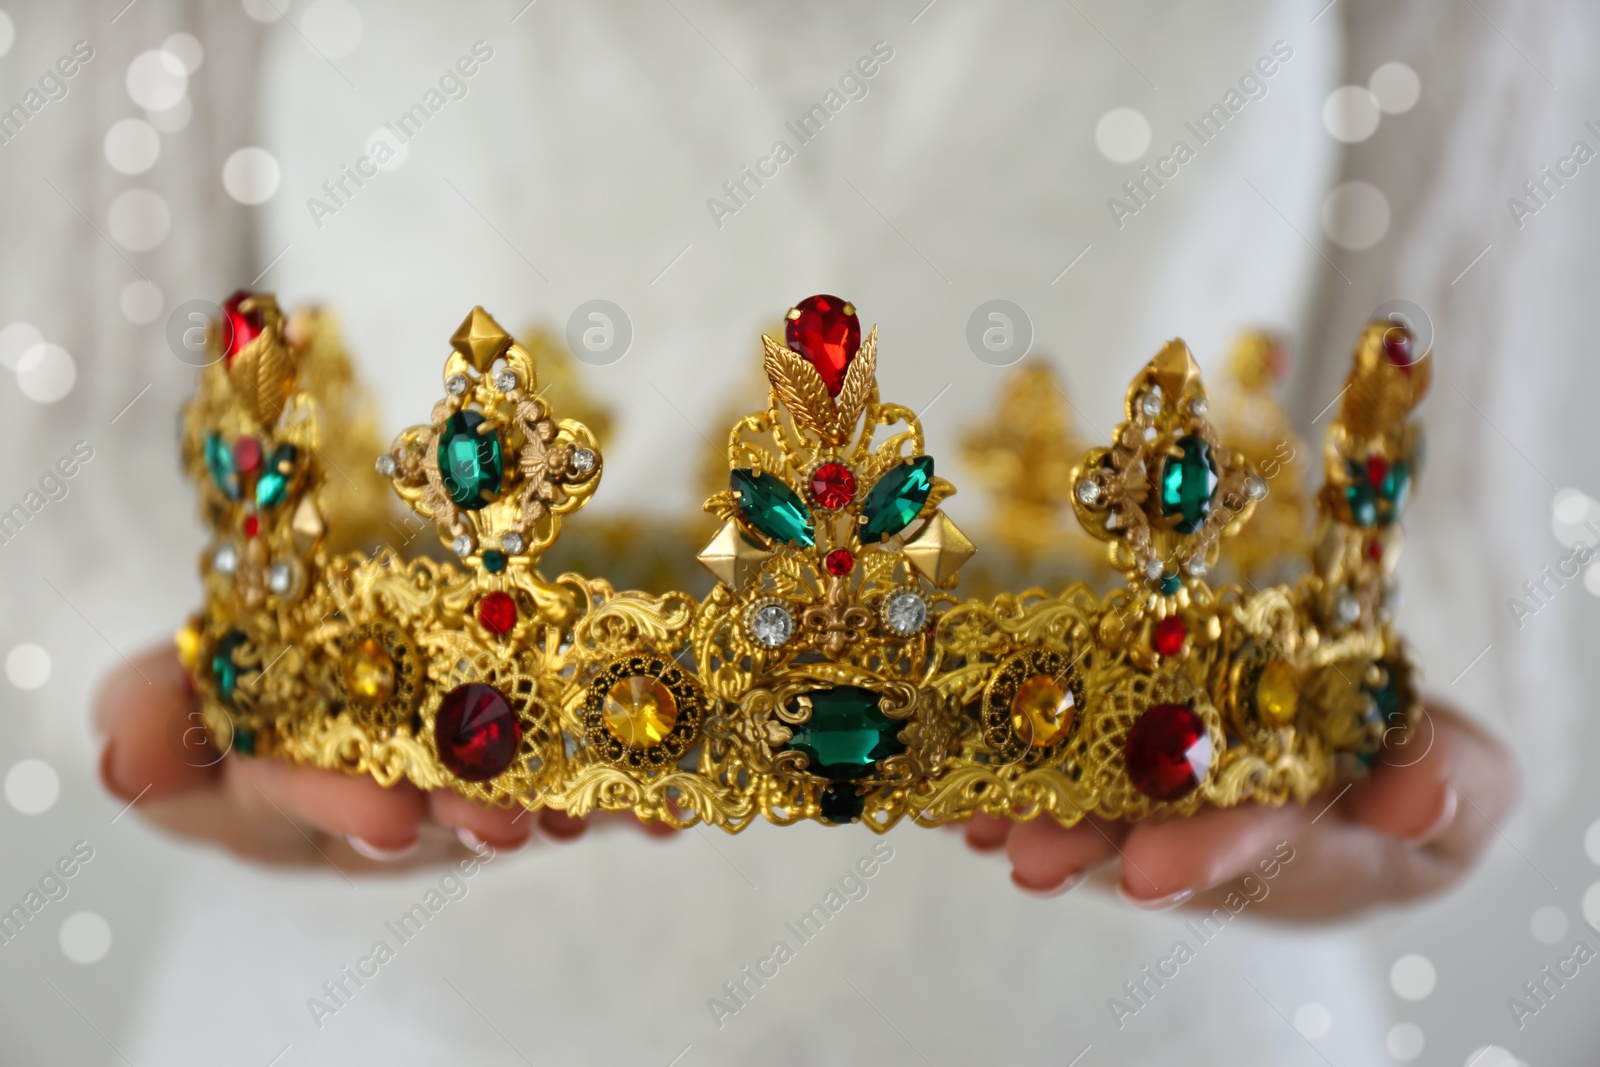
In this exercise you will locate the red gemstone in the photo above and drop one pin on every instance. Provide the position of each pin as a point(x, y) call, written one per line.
point(1375, 550)
point(1169, 635)
point(833, 486)
point(252, 525)
point(1397, 348)
point(477, 732)
point(825, 330)
point(1167, 752)
point(840, 562)
point(498, 613)
point(240, 327)
point(1377, 470)
point(247, 454)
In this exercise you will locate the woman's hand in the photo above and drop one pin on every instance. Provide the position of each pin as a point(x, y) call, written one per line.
point(1416, 827)
point(269, 811)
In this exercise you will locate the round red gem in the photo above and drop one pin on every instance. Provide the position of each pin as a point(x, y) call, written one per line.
point(1397, 348)
point(1167, 752)
point(1169, 635)
point(833, 486)
point(1377, 470)
point(477, 732)
point(252, 525)
point(498, 613)
point(247, 454)
point(239, 327)
point(839, 562)
point(1375, 550)
point(825, 330)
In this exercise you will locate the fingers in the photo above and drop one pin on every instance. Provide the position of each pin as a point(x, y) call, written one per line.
point(985, 833)
point(1165, 863)
point(1047, 858)
point(384, 820)
point(155, 744)
point(503, 828)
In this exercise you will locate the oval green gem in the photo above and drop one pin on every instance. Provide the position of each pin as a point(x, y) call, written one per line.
point(470, 461)
point(273, 485)
point(1188, 482)
point(896, 499)
point(772, 507)
point(219, 461)
point(846, 734)
point(223, 668)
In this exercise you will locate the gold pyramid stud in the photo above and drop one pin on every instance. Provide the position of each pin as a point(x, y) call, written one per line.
point(939, 549)
point(1175, 369)
point(307, 524)
point(480, 339)
point(732, 557)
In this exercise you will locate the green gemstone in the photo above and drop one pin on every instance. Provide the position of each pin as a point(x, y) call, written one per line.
point(223, 667)
point(1393, 491)
point(244, 742)
point(772, 507)
point(1381, 504)
point(1188, 482)
point(494, 561)
point(896, 499)
point(470, 460)
point(840, 804)
point(846, 733)
point(1170, 584)
point(273, 485)
point(219, 460)
point(1363, 502)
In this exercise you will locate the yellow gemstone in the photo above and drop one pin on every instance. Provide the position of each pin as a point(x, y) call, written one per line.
point(1042, 710)
point(640, 711)
point(369, 672)
point(1278, 693)
point(187, 641)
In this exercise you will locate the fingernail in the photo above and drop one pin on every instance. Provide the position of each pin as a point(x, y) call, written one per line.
point(382, 855)
point(1072, 882)
point(1166, 903)
point(1447, 815)
point(107, 758)
point(470, 839)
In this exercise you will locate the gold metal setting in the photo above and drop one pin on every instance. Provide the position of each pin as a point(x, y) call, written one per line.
point(913, 702)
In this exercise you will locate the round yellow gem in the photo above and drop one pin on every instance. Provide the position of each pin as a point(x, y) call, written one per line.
point(1278, 693)
point(640, 711)
point(1042, 710)
point(369, 672)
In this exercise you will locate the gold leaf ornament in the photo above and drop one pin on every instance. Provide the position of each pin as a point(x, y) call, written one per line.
point(800, 389)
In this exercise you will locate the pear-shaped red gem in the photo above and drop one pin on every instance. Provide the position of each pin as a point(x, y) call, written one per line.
point(239, 327)
point(825, 330)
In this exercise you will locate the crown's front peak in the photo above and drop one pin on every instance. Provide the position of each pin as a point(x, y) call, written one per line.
point(1175, 369)
point(480, 339)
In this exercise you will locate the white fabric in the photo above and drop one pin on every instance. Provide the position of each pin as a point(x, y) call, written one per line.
point(584, 152)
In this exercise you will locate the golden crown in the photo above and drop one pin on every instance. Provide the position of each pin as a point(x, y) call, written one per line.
point(831, 673)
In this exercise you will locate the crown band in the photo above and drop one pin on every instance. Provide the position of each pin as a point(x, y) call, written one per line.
point(831, 673)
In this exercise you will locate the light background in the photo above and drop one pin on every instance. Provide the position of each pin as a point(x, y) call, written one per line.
point(577, 167)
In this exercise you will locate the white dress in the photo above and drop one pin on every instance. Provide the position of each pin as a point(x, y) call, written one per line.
point(581, 162)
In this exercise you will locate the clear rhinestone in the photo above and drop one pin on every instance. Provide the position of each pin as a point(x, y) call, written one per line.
point(1151, 404)
point(1198, 406)
point(1089, 493)
point(462, 545)
point(505, 380)
point(906, 614)
point(583, 460)
point(1154, 569)
point(385, 465)
point(511, 542)
point(1349, 609)
point(1255, 487)
point(1197, 566)
point(771, 625)
point(279, 577)
point(225, 560)
point(456, 384)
